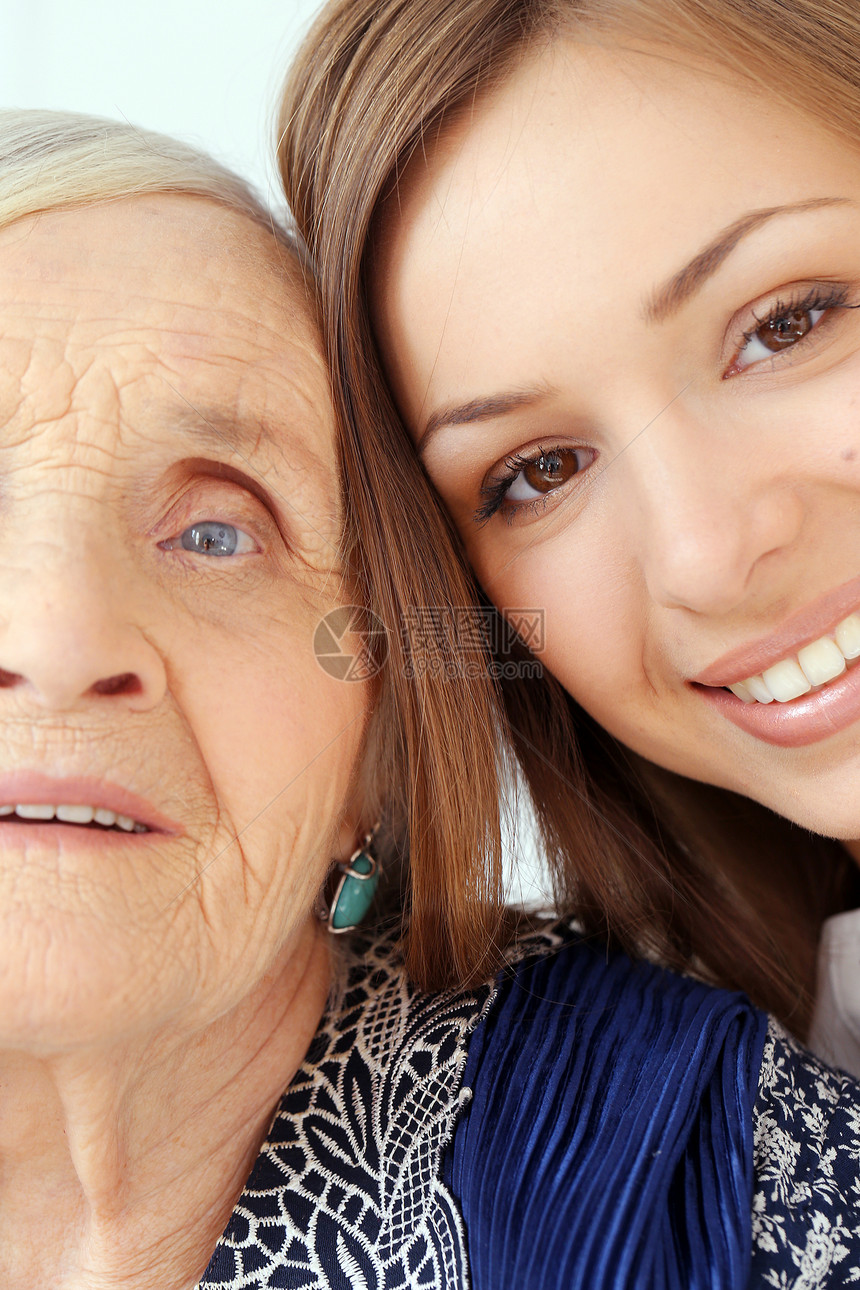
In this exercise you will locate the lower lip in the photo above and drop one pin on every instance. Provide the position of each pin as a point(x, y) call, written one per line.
point(802, 721)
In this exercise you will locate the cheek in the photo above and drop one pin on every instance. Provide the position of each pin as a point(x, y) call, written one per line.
point(279, 742)
point(276, 734)
point(597, 648)
point(583, 582)
point(809, 436)
point(599, 640)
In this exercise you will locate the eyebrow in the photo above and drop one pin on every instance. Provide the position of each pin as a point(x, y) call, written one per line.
point(481, 409)
point(667, 299)
point(216, 427)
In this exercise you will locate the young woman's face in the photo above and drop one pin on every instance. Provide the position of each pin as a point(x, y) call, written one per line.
point(618, 307)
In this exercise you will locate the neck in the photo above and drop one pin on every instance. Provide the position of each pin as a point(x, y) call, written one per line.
point(120, 1165)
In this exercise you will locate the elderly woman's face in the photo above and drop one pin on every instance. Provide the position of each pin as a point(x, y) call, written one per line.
point(168, 541)
point(620, 311)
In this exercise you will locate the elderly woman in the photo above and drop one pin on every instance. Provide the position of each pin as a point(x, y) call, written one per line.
point(195, 1089)
point(178, 771)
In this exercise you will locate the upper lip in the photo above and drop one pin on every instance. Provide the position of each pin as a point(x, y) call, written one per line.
point(799, 629)
point(34, 788)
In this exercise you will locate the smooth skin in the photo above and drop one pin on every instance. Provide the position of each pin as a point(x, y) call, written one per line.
point(531, 300)
point(159, 371)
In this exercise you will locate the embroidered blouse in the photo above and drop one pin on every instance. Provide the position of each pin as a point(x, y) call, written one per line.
point(580, 1122)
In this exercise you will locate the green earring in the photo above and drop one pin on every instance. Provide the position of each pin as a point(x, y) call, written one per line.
point(353, 896)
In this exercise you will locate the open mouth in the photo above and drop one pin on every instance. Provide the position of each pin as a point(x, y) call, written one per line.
point(82, 816)
point(811, 669)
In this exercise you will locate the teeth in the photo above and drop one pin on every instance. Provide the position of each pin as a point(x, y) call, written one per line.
point(848, 636)
point(69, 813)
point(35, 812)
point(815, 664)
point(821, 661)
point(758, 689)
point(743, 692)
point(785, 680)
point(76, 814)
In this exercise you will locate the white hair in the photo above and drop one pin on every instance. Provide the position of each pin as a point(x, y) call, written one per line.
point(57, 160)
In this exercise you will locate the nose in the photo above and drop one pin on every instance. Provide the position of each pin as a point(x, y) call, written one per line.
point(705, 530)
point(70, 635)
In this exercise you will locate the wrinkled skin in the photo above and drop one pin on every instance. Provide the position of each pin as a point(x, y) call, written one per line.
point(158, 369)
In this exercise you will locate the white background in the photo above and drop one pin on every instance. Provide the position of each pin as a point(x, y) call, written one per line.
point(206, 70)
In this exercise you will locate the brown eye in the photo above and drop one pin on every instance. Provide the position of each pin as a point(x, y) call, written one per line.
point(549, 470)
point(779, 333)
point(527, 479)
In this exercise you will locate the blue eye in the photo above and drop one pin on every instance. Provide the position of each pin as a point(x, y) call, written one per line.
point(211, 537)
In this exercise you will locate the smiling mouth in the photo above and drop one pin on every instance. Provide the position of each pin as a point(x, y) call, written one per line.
point(82, 816)
point(807, 670)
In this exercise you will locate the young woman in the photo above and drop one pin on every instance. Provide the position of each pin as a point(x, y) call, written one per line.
point(606, 255)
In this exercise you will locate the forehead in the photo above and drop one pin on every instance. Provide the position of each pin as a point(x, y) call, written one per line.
point(587, 178)
point(161, 297)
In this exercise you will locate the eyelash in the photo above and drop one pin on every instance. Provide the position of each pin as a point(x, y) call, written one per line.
point(823, 296)
point(496, 488)
point(210, 500)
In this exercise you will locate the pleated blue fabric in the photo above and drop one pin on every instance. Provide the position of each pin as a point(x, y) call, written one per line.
point(608, 1140)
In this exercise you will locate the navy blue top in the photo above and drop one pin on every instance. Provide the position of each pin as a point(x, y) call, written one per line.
point(609, 1137)
point(599, 1124)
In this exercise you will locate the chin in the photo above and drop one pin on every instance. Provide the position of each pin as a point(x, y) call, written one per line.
point(830, 810)
point(817, 787)
point(63, 988)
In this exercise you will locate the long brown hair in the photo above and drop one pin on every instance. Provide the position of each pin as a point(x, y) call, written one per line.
point(698, 877)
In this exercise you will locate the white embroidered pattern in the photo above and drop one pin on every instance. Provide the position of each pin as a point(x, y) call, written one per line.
point(806, 1207)
point(345, 1194)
